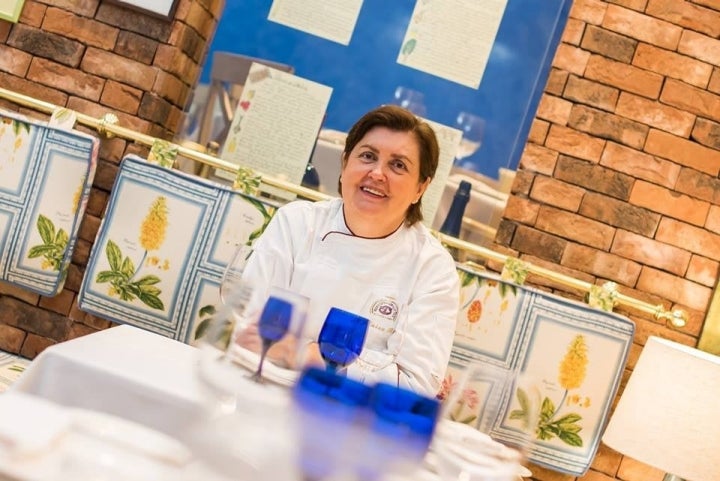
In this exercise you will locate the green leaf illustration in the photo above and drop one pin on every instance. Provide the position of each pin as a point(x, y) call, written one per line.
point(114, 256)
point(409, 46)
point(46, 228)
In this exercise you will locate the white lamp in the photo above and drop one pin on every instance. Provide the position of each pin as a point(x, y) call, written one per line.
point(669, 414)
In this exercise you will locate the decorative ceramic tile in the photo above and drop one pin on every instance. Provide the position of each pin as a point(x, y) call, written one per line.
point(45, 179)
point(162, 247)
point(575, 353)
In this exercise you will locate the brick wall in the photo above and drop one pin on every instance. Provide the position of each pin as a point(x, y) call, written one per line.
point(619, 178)
point(94, 56)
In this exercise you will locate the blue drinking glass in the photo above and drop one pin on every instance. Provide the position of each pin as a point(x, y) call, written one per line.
point(273, 324)
point(342, 338)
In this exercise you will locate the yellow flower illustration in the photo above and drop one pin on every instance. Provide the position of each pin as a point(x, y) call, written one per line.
point(76, 196)
point(574, 365)
point(154, 227)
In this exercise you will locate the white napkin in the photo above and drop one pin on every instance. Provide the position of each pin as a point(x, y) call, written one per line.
point(130, 436)
point(30, 424)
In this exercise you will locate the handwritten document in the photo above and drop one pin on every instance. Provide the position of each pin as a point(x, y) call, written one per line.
point(275, 124)
point(448, 140)
point(331, 19)
point(452, 39)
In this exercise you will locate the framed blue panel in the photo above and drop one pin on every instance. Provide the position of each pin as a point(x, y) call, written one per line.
point(576, 353)
point(163, 246)
point(365, 74)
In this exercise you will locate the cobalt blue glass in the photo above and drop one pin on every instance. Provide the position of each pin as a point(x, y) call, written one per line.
point(341, 338)
point(273, 324)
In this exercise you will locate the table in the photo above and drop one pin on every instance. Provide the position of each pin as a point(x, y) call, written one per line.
point(124, 371)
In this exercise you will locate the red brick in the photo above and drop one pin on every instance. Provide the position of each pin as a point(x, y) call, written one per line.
point(121, 97)
point(594, 177)
point(554, 109)
point(591, 93)
point(14, 61)
point(32, 13)
point(86, 8)
point(11, 338)
point(686, 236)
point(557, 193)
point(604, 125)
point(601, 264)
point(687, 15)
point(47, 45)
point(571, 59)
point(655, 114)
point(80, 28)
point(714, 4)
point(692, 99)
point(619, 214)
point(577, 144)
point(34, 345)
point(60, 303)
point(707, 133)
point(606, 460)
point(538, 131)
point(642, 27)
point(670, 203)
point(573, 32)
point(18, 293)
point(638, 5)
point(32, 89)
point(714, 85)
point(538, 243)
point(713, 220)
point(521, 210)
point(609, 44)
point(684, 152)
point(699, 185)
point(640, 165)
point(67, 79)
point(556, 81)
point(115, 67)
point(575, 227)
point(703, 270)
point(673, 65)
point(623, 76)
point(651, 252)
point(588, 11)
point(700, 46)
point(674, 288)
point(538, 159)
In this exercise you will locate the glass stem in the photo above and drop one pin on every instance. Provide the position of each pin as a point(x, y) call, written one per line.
point(266, 343)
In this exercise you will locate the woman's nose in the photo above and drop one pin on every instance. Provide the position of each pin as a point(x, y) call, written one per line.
point(378, 170)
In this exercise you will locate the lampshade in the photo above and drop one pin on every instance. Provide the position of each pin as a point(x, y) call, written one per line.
point(669, 414)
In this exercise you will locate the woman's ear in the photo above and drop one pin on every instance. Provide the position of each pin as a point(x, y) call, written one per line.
point(422, 187)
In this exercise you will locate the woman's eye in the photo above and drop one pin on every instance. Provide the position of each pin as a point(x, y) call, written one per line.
point(367, 155)
point(398, 165)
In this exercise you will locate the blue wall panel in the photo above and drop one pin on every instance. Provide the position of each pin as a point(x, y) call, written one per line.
point(365, 73)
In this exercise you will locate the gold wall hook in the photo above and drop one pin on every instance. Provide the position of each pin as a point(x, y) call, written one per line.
point(676, 319)
point(105, 120)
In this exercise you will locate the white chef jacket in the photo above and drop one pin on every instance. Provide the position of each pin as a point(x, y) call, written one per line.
point(406, 284)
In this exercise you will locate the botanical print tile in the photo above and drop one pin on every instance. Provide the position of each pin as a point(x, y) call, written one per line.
point(165, 238)
point(45, 179)
point(568, 357)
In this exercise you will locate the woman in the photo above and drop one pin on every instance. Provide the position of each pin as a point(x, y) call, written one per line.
point(368, 253)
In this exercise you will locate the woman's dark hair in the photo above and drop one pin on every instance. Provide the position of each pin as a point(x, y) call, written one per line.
point(401, 120)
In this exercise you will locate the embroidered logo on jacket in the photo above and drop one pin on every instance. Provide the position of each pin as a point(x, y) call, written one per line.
point(386, 308)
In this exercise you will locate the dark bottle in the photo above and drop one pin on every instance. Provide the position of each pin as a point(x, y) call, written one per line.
point(453, 221)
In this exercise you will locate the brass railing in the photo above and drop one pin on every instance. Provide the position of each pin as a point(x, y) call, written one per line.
point(676, 318)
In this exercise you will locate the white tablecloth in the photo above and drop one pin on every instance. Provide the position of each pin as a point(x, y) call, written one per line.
point(124, 371)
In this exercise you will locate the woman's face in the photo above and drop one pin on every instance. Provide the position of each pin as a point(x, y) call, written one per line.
point(380, 179)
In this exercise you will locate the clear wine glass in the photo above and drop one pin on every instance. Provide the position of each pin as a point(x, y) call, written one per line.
point(383, 342)
point(410, 99)
point(489, 418)
point(473, 131)
point(341, 338)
